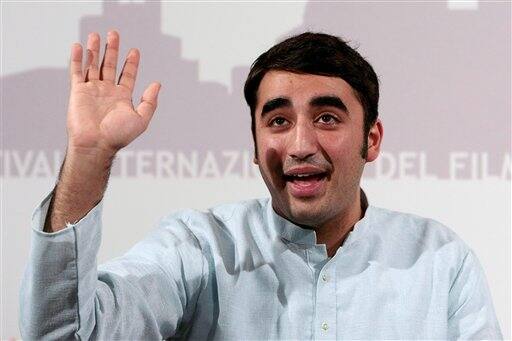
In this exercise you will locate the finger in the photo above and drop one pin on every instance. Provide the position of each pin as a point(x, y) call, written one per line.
point(109, 63)
point(75, 64)
point(129, 71)
point(88, 62)
point(148, 102)
point(93, 44)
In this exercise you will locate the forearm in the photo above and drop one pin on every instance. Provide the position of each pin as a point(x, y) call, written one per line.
point(60, 266)
point(137, 296)
point(82, 182)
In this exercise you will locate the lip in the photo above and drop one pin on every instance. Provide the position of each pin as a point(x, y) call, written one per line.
point(304, 170)
point(305, 189)
point(308, 188)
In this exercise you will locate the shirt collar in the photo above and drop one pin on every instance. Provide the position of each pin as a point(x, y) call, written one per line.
point(290, 232)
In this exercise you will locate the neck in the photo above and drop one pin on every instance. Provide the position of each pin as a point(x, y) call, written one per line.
point(334, 232)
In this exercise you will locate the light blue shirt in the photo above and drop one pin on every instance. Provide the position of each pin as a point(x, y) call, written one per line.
point(240, 271)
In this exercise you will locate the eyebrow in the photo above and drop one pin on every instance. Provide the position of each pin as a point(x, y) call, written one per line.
point(275, 103)
point(328, 101)
point(319, 101)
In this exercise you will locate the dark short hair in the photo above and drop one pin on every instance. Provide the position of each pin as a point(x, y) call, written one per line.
point(317, 54)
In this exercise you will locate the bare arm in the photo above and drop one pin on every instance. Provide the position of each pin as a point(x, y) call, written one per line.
point(82, 183)
point(63, 294)
point(100, 121)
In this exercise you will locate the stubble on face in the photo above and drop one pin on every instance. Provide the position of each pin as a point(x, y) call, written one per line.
point(314, 212)
point(338, 153)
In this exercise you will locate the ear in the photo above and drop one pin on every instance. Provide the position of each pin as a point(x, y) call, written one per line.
point(375, 136)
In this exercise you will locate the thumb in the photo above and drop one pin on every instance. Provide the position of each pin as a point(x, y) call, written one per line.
point(148, 102)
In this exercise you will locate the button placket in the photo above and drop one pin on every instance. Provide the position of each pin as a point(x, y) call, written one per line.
point(326, 303)
point(325, 278)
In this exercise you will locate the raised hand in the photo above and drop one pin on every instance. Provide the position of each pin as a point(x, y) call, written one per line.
point(101, 116)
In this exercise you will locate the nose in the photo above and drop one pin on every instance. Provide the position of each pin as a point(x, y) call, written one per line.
point(303, 141)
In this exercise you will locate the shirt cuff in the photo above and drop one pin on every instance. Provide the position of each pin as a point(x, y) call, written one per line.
point(60, 278)
point(41, 211)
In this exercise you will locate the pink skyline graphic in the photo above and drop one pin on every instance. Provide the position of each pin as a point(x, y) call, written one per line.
point(445, 87)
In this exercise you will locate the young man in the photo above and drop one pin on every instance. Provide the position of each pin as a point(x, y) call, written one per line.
point(314, 261)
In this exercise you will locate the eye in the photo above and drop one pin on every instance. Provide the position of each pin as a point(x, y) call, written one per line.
point(278, 121)
point(328, 119)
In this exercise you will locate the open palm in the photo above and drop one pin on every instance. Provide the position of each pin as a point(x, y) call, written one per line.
point(101, 115)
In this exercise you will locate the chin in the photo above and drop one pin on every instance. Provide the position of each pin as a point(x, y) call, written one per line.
point(310, 212)
point(306, 214)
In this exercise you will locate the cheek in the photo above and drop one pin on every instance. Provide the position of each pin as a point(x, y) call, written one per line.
point(270, 155)
point(336, 145)
point(271, 167)
point(343, 151)
point(268, 145)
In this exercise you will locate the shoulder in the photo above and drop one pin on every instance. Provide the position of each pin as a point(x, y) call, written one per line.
point(407, 230)
point(411, 226)
point(223, 213)
point(225, 220)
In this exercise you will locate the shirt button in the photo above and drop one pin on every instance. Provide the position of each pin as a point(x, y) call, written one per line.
point(325, 278)
point(325, 326)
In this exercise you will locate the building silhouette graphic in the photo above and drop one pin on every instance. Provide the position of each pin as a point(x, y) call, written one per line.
point(445, 85)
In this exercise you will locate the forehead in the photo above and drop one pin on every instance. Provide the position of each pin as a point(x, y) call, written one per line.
point(299, 88)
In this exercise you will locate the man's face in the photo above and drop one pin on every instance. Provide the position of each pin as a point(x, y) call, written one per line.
point(309, 135)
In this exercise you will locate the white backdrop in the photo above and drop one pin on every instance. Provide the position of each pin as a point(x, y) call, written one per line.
point(444, 69)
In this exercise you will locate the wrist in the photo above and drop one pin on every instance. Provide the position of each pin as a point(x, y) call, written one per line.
point(96, 153)
point(86, 165)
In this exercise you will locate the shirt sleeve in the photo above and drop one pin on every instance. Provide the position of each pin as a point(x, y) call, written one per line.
point(470, 312)
point(148, 293)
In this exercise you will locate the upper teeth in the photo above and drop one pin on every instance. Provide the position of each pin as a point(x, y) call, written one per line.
point(301, 175)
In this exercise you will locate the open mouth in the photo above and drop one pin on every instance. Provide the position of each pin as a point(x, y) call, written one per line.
point(305, 185)
point(304, 178)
